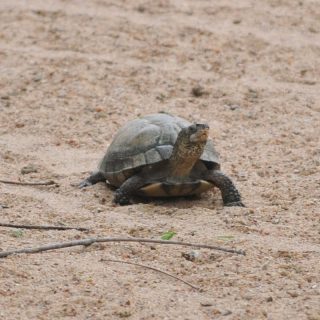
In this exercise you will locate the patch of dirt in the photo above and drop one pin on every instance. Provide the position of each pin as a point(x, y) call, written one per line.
point(73, 72)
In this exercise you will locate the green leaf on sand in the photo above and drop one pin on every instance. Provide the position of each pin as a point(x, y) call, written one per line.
point(17, 233)
point(168, 235)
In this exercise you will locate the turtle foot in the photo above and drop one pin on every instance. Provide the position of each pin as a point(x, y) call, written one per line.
point(121, 199)
point(234, 204)
point(230, 195)
point(85, 183)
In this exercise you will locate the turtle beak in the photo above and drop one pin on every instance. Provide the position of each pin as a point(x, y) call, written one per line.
point(201, 134)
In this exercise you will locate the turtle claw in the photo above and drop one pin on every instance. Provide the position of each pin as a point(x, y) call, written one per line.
point(94, 178)
point(234, 204)
point(85, 183)
point(124, 202)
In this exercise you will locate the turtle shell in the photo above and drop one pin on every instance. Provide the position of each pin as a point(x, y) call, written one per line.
point(146, 141)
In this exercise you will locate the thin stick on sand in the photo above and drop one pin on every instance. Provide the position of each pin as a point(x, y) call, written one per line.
point(24, 226)
point(40, 183)
point(90, 241)
point(154, 269)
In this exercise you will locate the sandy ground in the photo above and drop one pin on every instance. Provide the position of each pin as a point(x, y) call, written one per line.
point(72, 72)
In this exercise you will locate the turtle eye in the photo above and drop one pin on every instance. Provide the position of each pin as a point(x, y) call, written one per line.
point(192, 129)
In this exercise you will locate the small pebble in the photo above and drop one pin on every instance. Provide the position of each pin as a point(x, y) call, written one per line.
point(29, 169)
point(198, 91)
point(37, 78)
point(234, 107)
point(191, 256)
point(275, 221)
point(226, 313)
point(141, 9)
point(293, 294)
point(236, 21)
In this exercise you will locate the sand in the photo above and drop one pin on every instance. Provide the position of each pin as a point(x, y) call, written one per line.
point(73, 72)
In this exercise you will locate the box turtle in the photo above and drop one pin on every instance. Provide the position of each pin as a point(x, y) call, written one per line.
point(161, 155)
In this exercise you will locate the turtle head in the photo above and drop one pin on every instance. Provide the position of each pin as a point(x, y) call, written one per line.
point(191, 140)
point(195, 134)
point(188, 149)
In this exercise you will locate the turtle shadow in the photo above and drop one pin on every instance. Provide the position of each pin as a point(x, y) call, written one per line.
point(206, 200)
point(183, 202)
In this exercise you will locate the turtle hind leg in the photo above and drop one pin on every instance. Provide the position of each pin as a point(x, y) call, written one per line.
point(230, 195)
point(94, 178)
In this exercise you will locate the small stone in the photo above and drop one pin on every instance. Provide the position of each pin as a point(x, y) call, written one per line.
point(191, 256)
point(198, 91)
point(293, 294)
point(284, 273)
point(29, 169)
point(141, 9)
point(123, 314)
point(234, 107)
point(284, 254)
point(269, 299)
point(248, 297)
point(37, 78)
point(226, 313)
point(242, 176)
point(313, 30)
point(275, 221)
point(236, 21)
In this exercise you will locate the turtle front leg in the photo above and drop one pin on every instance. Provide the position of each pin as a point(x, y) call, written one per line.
point(230, 195)
point(94, 178)
point(123, 194)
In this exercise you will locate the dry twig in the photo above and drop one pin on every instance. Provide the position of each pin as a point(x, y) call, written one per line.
point(89, 241)
point(44, 183)
point(155, 269)
point(23, 226)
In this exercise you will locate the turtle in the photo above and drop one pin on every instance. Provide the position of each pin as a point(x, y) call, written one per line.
point(163, 155)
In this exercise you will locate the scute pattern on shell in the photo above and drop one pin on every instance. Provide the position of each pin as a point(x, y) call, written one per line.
point(146, 141)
